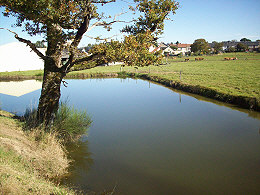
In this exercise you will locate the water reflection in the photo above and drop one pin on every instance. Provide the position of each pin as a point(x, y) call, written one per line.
point(81, 162)
point(160, 141)
point(19, 88)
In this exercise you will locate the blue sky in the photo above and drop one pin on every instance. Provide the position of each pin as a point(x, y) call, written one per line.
point(213, 20)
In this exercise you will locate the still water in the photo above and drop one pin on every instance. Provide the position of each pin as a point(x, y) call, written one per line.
point(149, 140)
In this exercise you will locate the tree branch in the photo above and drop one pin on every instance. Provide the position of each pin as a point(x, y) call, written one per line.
point(104, 23)
point(102, 39)
point(103, 1)
point(81, 30)
point(29, 43)
point(87, 58)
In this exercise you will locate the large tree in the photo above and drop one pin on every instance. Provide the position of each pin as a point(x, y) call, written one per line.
point(63, 24)
point(200, 46)
point(244, 39)
point(218, 47)
point(241, 47)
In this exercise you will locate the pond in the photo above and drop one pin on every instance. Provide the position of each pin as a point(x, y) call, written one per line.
point(149, 139)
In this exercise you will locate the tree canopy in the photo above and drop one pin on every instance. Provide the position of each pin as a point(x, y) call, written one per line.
point(64, 23)
point(240, 47)
point(200, 46)
point(218, 46)
point(245, 39)
point(40, 44)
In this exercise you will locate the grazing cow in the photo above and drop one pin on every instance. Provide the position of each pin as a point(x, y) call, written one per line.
point(233, 58)
point(198, 59)
point(187, 59)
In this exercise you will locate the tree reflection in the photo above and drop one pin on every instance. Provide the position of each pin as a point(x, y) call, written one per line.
point(81, 161)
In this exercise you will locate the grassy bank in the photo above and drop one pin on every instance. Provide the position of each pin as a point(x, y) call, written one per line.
point(235, 81)
point(29, 161)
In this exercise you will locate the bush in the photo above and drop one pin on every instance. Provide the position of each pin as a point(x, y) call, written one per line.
point(69, 123)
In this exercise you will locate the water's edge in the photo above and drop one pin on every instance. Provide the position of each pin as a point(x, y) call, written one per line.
point(240, 101)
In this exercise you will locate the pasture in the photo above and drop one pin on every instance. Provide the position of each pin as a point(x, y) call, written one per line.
point(239, 77)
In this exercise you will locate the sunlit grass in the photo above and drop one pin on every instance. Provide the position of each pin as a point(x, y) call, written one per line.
point(236, 77)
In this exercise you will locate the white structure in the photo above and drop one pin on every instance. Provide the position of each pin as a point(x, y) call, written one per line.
point(168, 50)
point(164, 48)
point(19, 88)
point(19, 57)
point(182, 48)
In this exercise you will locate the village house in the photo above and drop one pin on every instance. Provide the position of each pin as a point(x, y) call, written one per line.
point(168, 49)
point(181, 48)
point(252, 45)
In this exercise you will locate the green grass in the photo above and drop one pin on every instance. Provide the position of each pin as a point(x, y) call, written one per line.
point(22, 73)
point(237, 77)
point(69, 124)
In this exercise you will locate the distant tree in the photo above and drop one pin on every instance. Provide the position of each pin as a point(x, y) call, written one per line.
point(231, 49)
point(244, 40)
point(218, 46)
point(177, 42)
point(200, 46)
point(241, 47)
point(40, 44)
point(173, 47)
point(258, 40)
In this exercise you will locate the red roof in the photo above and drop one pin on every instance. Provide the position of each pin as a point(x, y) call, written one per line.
point(183, 45)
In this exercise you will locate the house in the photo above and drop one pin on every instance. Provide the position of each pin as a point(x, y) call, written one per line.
point(162, 47)
point(181, 48)
point(252, 45)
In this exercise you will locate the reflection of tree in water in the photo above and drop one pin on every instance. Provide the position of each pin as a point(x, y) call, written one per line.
point(81, 162)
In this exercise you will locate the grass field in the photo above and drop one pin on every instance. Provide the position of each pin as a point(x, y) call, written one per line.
point(239, 77)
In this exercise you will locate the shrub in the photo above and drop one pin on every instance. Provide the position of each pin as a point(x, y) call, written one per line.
point(69, 123)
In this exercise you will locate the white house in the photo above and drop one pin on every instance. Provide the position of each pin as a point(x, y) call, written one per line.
point(182, 48)
point(19, 57)
point(164, 48)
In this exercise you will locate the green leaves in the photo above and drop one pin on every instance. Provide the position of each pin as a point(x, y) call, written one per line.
point(153, 14)
point(200, 46)
point(133, 51)
point(66, 21)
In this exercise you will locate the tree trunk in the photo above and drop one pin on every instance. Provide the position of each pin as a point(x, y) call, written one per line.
point(50, 94)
